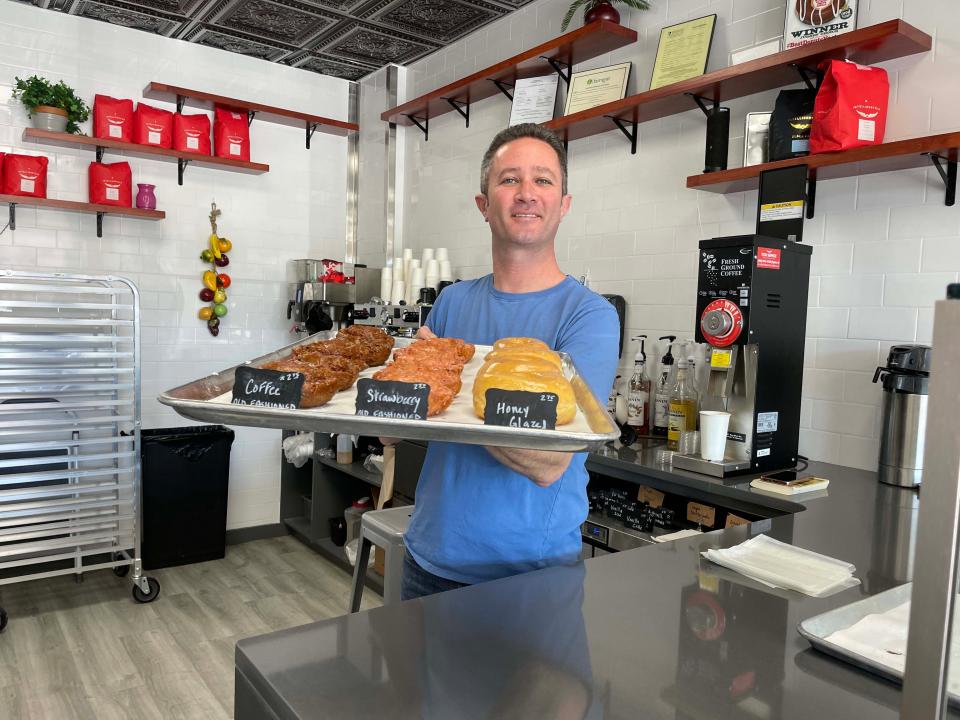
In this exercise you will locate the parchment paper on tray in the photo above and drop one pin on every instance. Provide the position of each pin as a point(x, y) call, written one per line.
point(209, 400)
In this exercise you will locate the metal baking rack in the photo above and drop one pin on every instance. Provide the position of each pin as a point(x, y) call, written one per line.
point(69, 428)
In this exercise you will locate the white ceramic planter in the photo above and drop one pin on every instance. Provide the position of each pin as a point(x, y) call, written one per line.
point(49, 121)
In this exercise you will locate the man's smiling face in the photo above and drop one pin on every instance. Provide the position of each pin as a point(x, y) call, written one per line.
point(524, 202)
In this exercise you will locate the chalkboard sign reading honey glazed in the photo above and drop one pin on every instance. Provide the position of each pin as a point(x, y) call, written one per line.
point(267, 388)
point(392, 399)
point(521, 409)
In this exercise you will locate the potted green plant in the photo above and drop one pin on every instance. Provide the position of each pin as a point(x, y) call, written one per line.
point(51, 106)
point(600, 10)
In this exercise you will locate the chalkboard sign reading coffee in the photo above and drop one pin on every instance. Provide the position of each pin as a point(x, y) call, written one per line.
point(521, 409)
point(392, 399)
point(266, 388)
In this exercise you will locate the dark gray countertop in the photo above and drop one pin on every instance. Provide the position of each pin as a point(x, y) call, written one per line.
point(655, 632)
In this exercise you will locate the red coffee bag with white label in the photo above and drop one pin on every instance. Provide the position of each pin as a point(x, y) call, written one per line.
point(111, 184)
point(153, 126)
point(231, 134)
point(851, 107)
point(2, 155)
point(25, 175)
point(191, 133)
point(113, 118)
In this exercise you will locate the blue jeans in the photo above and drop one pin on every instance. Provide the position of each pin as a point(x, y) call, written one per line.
point(417, 582)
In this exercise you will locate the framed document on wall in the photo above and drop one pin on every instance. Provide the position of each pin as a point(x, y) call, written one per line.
point(590, 88)
point(683, 51)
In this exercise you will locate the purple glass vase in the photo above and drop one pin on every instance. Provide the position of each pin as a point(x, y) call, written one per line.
point(146, 200)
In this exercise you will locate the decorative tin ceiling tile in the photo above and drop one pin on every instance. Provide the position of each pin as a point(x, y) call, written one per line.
point(130, 16)
point(185, 8)
point(370, 45)
point(438, 20)
point(288, 22)
point(236, 43)
point(335, 68)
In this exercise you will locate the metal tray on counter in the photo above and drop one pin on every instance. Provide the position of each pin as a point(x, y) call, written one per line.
point(208, 400)
point(818, 628)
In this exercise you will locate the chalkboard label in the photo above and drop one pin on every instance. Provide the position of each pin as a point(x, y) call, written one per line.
point(267, 388)
point(392, 399)
point(521, 409)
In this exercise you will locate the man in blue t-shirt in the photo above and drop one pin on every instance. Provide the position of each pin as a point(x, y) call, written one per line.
point(488, 512)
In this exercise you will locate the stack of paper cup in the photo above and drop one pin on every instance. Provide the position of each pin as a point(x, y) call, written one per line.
point(407, 257)
point(398, 273)
point(432, 274)
point(386, 284)
point(413, 287)
point(397, 294)
point(446, 271)
point(441, 254)
point(427, 256)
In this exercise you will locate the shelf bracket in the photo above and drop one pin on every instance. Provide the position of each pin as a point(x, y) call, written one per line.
point(811, 196)
point(251, 114)
point(100, 150)
point(13, 216)
point(502, 87)
point(461, 107)
point(181, 99)
point(561, 68)
point(100, 224)
point(949, 176)
point(181, 166)
point(424, 128)
point(631, 134)
point(810, 77)
point(702, 103)
point(311, 129)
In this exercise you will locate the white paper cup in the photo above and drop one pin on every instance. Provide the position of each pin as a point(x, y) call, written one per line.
point(446, 271)
point(398, 292)
point(413, 287)
point(407, 253)
point(398, 269)
point(431, 267)
point(427, 256)
point(713, 434)
point(441, 254)
point(386, 284)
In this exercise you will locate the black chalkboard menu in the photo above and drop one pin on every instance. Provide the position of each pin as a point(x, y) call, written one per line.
point(521, 409)
point(392, 399)
point(267, 388)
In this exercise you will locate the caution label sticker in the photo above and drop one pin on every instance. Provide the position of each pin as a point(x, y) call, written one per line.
point(789, 210)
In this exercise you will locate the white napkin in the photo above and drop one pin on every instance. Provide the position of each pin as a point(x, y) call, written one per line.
point(780, 565)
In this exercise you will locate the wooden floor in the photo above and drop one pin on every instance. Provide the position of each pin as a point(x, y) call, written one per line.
point(88, 650)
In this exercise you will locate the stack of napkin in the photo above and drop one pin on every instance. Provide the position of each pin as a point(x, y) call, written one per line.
point(780, 565)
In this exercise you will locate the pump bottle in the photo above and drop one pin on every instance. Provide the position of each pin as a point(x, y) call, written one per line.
point(638, 399)
point(662, 395)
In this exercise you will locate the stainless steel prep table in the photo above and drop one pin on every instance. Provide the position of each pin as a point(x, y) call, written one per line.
point(627, 635)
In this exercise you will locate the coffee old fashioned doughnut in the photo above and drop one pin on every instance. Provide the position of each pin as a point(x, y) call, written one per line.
point(818, 12)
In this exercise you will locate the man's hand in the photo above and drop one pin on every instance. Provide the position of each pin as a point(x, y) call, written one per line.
point(543, 467)
point(424, 333)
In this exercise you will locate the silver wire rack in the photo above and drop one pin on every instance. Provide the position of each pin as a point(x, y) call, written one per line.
point(70, 428)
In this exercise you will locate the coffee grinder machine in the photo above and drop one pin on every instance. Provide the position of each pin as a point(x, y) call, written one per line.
point(752, 311)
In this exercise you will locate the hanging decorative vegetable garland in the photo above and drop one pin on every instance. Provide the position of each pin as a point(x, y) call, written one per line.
point(215, 283)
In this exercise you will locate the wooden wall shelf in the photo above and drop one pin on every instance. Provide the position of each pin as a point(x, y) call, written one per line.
point(898, 155)
point(71, 206)
point(292, 118)
point(885, 41)
point(567, 50)
point(99, 145)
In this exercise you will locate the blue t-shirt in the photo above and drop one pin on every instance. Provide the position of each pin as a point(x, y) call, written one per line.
point(476, 519)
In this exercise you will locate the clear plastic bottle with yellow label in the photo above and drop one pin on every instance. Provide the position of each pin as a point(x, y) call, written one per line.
point(682, 406)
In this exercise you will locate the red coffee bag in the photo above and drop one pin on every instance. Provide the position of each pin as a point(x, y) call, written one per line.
point(153, 126)
point(191, 133)
point(2, 155)
point(851, 107)
point(111, 184)
point(231, 134)
point(113, 118)
point(25, 175)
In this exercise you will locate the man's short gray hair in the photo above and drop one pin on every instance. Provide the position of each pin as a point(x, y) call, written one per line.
point(523, 130)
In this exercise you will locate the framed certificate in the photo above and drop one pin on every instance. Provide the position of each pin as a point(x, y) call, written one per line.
point(683, 51)
point(590, 88)
point(533, 99)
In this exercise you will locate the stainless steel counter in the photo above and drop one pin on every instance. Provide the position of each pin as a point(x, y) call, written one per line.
point(655, 632)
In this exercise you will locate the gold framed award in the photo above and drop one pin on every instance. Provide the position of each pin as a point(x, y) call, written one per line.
point(683, 51)
point(590, 88)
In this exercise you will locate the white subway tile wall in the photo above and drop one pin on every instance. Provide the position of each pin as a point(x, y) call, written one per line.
point(295, 210)
point(884, 245)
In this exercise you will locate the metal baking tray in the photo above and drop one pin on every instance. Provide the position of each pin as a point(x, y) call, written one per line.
point(817, 629)
point(208, 400)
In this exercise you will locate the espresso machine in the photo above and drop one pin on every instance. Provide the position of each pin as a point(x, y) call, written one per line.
point(317, 306)
point(752, 311)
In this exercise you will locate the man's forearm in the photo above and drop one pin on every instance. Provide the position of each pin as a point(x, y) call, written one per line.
point(543, 467)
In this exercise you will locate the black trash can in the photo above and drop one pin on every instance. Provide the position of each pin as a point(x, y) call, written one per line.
point(186, 471)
